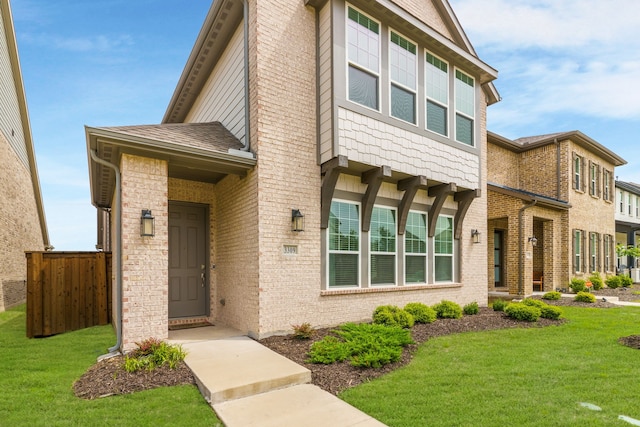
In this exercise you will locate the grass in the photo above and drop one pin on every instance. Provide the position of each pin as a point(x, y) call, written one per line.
point(524, 377)
point(38, 375)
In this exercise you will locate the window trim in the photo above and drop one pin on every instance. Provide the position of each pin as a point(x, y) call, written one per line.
point(329, 251)
point(398, 84)
point(452, 255)
point(349, 63)
point(417, 254)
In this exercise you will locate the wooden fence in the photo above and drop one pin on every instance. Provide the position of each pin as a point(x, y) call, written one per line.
point(67, 291)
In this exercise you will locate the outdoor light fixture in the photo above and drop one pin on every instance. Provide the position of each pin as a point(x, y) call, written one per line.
point(533, 241)
point(297, 220)
point(475, 235)
point(147, 223)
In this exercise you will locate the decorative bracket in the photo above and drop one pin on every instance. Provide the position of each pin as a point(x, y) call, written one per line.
point(440, 192)
point(373, 178)
point(331, 171)
point(464, 199)
point(410, 186)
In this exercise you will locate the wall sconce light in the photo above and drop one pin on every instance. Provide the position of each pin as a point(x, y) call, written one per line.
point(533, 241)
point(297, 220)
point(147, 223)
point(475, 235)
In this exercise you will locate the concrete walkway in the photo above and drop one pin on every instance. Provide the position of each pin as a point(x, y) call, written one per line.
point(247, 384)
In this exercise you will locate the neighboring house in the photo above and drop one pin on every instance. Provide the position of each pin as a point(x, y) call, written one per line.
point(365, 118)
point(22, 221)
point(550, 210)
point(627, 221)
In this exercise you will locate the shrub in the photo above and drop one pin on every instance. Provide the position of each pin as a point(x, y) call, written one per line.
point(613, 282)
point(499, 305)
point(533, 302)
point(421, 313)
point(626, 281)
point(391, 315)
point(596, 281)
point(551, 312)
point(152, 353)
point(303, 331)
point(585, 297)
point(520, 311)
point(471, 308)
point(364, 345)
point(448, 310)
point(577, 285)
point(553, 295)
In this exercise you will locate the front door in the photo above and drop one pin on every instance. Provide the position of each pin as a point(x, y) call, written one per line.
point(188, 242)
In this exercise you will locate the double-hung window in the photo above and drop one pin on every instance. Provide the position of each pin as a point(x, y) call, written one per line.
point(637, 206)
point(606, 185)
point(403, 70)
point(344, 244)
point(443, 250)
point(465, 107)
point(577, 250)
point(594, 251)
point(621, 202)
point(577, 173)
point(383, 246)
point(629, 204)
point(437, 88)
point(607, 252)
point(363, 35)
point(415, 243)
point(593, 179)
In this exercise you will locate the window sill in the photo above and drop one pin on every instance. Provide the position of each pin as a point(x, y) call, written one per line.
point(409, 288)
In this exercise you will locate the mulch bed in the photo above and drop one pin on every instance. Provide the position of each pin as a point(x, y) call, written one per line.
point(108, 377)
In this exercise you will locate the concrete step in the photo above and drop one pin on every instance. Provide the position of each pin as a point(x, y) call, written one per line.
point(237, 367)
point(302, 405)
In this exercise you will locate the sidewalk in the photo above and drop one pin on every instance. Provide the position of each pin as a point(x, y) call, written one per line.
point(248, 384)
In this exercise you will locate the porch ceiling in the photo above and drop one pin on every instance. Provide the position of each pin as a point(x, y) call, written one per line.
point(204, 152)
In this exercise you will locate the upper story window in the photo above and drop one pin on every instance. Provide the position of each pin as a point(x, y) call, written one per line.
point(403, 72)
point(437, 88)
point(594, 172)
point(344, 244)
point(577, 172)
point(363, 39)
point(621, 202)
point(629, 204)
point(383, 246)
point(465, 107)
point(637, 206)
point(606, 185)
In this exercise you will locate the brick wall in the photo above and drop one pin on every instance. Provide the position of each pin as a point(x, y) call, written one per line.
point(144, 259)
point(19, 226)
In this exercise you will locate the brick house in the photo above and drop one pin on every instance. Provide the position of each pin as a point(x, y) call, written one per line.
point(22, 222)
point(627, 223)
point(550, 210)
point(365, 118)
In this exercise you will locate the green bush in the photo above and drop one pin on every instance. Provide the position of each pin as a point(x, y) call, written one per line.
point(613, 282)
point(533, 302)
point(471, 308)
point(577, 285)
point(520, 311)
point(551, 312)
point(364, 345)
point(585, 297)
point(499, 305)
point(596, 281)
point(303, 331)
point(553, 295)
point(152, 353)
point(448, 310)
point(421, 313)
point(626, 281)
point(391, 315)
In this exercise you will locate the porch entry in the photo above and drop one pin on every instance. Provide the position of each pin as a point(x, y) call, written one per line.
point(188, 258)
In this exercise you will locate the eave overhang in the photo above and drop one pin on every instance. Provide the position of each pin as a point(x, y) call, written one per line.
point(527, 196)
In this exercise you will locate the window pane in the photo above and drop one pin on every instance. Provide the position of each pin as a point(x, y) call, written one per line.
point(383, 270)
point(436, 118)
point(403, 104)
point(415, 235)
point(443, 238)
point(416, 269)
point(402, 59)
point(344, 227)
point(437, 80)
point(464, 129)
point(363, 88)
point(464, 94)
point(443, 266)
point(383, 230)
point(343, 270)
point(364, 42)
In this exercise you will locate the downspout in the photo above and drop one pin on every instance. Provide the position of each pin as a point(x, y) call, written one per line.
point(115, 350)
point(520, 244)
point(247, 121)
point(555, 140)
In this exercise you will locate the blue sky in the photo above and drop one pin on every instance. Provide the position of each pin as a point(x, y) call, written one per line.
point(563, 65)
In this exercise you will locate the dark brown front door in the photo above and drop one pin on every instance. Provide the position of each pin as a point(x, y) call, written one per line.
point(498, 258)
point(188, 279)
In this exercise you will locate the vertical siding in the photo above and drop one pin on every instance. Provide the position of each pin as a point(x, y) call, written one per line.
point(324, 84)
point(222, 97)
point(10, 121)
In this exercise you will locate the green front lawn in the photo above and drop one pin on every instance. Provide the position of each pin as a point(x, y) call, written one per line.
point(523, 377)
point(37, 376)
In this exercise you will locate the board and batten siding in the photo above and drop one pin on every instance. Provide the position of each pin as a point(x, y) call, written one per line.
point(325, 88)
point(222, 97)
point(10, 120)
